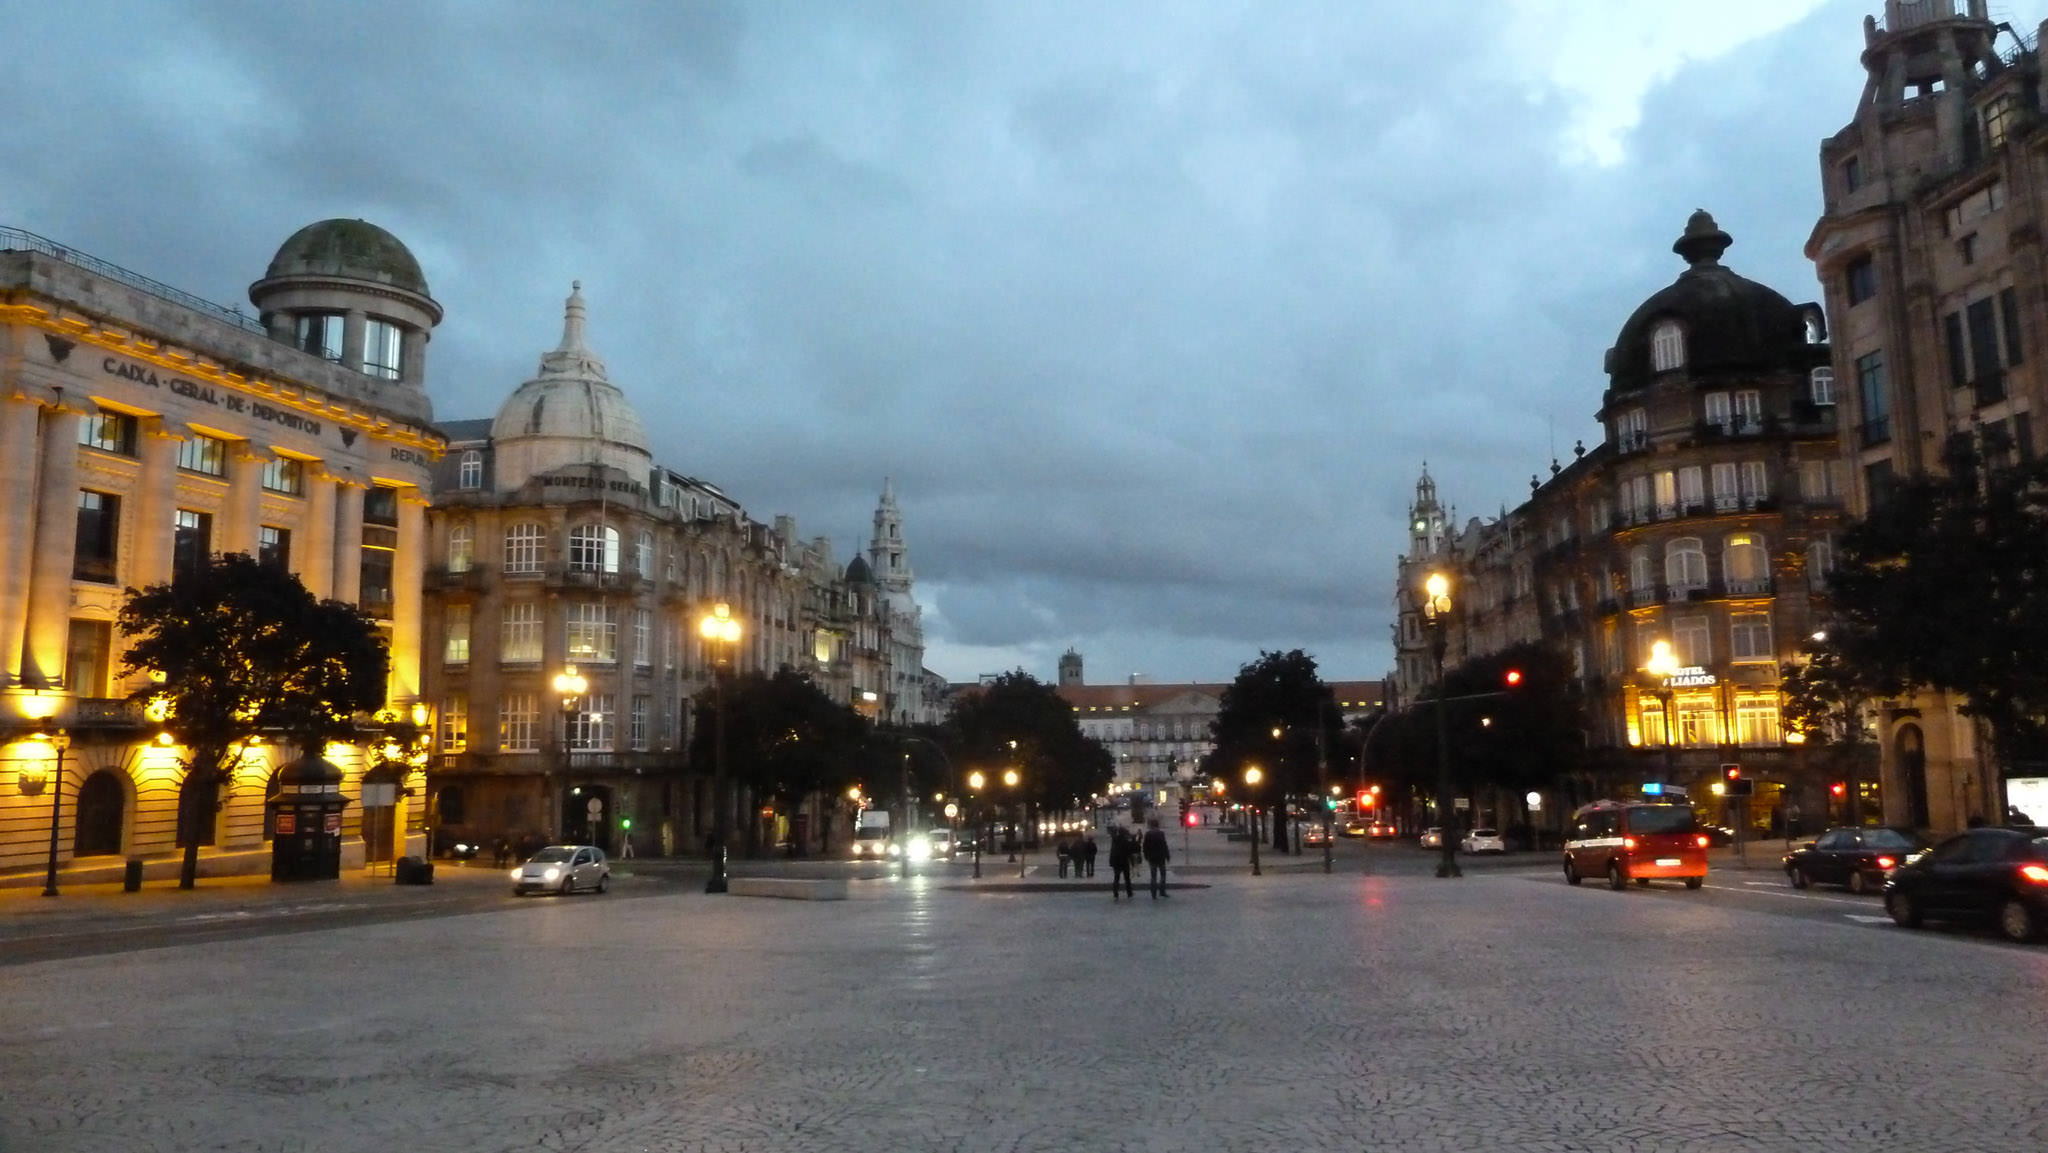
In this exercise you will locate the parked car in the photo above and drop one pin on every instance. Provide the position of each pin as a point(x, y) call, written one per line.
point(1635, 841)
point(1314, 833)
point(1986, 876)
point(1483, 841)
point(1856, 857)
point(1718, 836)
point(563, 869)
point(1432, 838)
point(940, 843)
point(1356, 827)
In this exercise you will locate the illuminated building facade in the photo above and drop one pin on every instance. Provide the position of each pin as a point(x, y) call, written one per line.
point(142, 429)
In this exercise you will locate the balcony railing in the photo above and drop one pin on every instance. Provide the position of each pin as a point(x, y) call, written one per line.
point(1749, 588)
point(15, 240)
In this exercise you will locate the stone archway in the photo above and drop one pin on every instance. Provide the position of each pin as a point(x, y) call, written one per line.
point(1909, 750)
point(102, 815)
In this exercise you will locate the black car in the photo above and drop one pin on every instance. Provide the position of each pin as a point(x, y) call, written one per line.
point(1858, 858)
point(1994, 876)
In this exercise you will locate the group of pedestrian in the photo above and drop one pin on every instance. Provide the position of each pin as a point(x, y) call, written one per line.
point(1126, 848)
point(1077, 854)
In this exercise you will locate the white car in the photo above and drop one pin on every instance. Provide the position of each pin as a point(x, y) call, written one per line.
point(1432, 838)
point(941, 842)
point(563, 869)
point(1483, 841)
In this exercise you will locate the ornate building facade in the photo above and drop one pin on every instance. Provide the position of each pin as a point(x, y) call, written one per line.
point(142, 429)
point(1703, 520)
point(561, 549)
point(1929, 250)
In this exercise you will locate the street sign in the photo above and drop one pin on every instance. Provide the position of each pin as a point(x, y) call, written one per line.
point(1462, 803)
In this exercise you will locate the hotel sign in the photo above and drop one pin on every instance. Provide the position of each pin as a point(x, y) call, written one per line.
point(1690, 677)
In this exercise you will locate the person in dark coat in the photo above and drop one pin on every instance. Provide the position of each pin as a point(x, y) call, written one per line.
point(1123, 850)
point(1064, 850)
point(1157, 853)
point(1088, 855)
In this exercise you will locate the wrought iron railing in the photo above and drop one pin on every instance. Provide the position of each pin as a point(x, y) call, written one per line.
point(16, 240)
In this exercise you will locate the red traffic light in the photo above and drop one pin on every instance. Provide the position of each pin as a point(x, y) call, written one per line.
point(1732, 772)
point(1191, 820)
point(1367, 800)
point(1514, 678)
point(1839, 789)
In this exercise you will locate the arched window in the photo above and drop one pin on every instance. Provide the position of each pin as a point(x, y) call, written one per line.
point(461, 548)
point(594, 548)
point(1685, 563)
point(1667, 346)
point(471, 474)
point(1816, 327)
point(1744, 564)
point(523, 547)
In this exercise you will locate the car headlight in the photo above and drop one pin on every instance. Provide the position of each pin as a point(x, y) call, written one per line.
point(894, 851)
point(920, 848)
point(554, 873)
point(518, 873)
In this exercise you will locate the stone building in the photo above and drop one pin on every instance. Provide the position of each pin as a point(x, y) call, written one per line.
point(1929, 251)
point(561, 548)
point(1703, 519)
point(142, 429)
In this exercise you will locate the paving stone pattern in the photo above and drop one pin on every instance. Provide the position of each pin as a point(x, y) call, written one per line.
point(1282, 1014)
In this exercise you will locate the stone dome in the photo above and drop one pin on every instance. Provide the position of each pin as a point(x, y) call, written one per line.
point(1731, 323)
point(355, 249)
point(858, 572)
point(570, 413)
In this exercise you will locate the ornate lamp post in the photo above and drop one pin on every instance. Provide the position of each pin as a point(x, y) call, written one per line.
point(1252, 777)
point(722, 630)
point(975, 781)
point(570, 687)
point(1436, 617)
point(1663, 665)
point(1010, 779)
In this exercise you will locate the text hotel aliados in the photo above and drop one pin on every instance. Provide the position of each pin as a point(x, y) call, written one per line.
point(142, 429)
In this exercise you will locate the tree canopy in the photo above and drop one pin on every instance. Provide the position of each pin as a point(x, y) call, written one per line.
point(241, 649)
point(1017, 720)
point(784, 737)
point(1511, 737)
point(1944, 585)
point(1277, 693)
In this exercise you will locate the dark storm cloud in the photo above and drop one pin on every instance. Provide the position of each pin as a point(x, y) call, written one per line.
point(1152, 311)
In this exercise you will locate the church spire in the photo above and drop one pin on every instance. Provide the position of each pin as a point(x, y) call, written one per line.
point(888, 553)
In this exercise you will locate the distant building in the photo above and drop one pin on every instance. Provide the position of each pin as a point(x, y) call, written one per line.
point(1928, 248)
point(143, 429)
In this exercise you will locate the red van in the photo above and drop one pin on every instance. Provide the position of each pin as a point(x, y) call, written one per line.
point(1635, 841)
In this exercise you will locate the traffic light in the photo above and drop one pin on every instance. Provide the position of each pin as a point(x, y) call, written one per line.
point(1840, 789)
point(1513, 678)
point(1731, 772)
point(1738, 785)
point(1186, 811)
point(1367, 800)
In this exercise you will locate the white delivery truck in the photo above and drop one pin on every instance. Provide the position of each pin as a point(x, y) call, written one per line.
point(871, 835)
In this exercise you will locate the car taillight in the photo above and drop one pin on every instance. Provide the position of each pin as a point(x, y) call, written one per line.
point(2035, 873)
point(1628, 842)
point(1885, 862)
point(1702, 840)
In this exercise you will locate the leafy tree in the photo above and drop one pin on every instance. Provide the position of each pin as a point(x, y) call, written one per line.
point(1018, 720)
point(1824, 697)
point(1945, 586)
point(1279, 715)
point(785, 739)
point(238, 650)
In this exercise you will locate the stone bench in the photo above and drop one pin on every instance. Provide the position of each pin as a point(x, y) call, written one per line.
point(791, 888)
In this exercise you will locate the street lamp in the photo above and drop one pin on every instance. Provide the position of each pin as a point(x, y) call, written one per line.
point(570, 687)
point(1436, 617)
point(1010, 779)
point(722, 630)
point(1252, 777)
point(1663, 665)
point(975, 781)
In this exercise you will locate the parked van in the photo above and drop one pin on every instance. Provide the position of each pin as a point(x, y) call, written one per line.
point(1635, 841)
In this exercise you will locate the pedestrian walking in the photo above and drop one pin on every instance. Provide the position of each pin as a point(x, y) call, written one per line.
point(1157, 853)
point(1065, 853)
point(1088, 854)
point(1122, 849)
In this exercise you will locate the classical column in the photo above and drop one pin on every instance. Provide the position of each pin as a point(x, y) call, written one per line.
point(18, 423)
point(348, 542)
point(414, 355)
point(353, 323)
point(148, 507)
point(56, 536)
point(244, 505)
point(315, 554)
point(408, 582)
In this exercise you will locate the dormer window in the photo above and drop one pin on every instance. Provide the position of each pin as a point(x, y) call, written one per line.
point(470, 474)
point(1667, 346)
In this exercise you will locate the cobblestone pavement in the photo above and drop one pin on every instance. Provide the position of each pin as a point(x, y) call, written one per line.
point(1503, 1011)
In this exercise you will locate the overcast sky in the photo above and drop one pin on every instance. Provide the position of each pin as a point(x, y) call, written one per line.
point(1153, 311)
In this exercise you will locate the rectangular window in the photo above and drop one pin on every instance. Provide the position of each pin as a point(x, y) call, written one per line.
point(643, 637)
point(1984, 364)
point(1691, 489)
point(320, 334)
point(523, 548)
point(383, 347)
point(1813, 480)
point(108, 432)
point(191, 543)
point(1693, 641)
point(1749, 410)
point(378, 570)
point(88, 657)
point(285, 474)
point(1876, 394)
point(1958, 350)
point(454, 723)
point(1820, 561)
point(274, 546)
point(1750, 638)
point(1877, 483)
point(592, 724)
point(456, 650)
point(99, 531)
point(1632, 430)
point(592, 634)
point(1719, 412)
point(1726, 498)
point(1860, 279)
point(470, 474)
point(461, 548)
point(202, 454)
point(1667, 494)
point(519, 639)
point(637, 736)
point(2009, 313)
point(1821, 386)
point(1999, 115)
point(518, 723)
point(1757, 721)
point(1756, 483)
point(643, 555)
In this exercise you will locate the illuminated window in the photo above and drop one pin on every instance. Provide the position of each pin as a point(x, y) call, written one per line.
point(1744, 563)
point(518, 723)
point(454, 725)
point(592, 723)
point(1757, 721)
point(519, 639)
point(592, 634)
point(461, 548)
point(456, 650)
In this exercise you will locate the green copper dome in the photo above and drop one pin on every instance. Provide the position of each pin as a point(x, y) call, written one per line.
point(355, 249)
